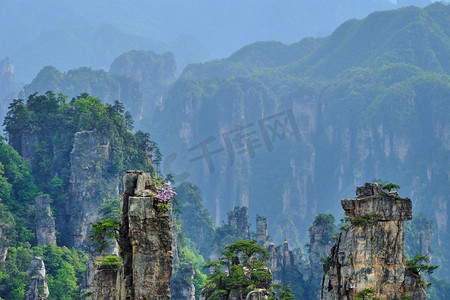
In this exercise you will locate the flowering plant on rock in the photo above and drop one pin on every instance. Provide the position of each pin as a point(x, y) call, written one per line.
point(165, 192)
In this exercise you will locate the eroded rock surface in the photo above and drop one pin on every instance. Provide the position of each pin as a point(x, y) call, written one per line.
point(45, 223)
point(238, 220)
point(90, 184)
point(182, 287)
point(369, 254)
point(3, 241)
point(38, 289)
point(145, 242)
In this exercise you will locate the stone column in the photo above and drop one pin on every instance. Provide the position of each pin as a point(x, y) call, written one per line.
point(145, 241)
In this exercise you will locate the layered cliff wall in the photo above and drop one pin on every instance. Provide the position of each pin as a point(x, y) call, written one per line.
point(90, 185)
point(368, 255)
point(145, 241)
point(45, 223)
point(38, 289)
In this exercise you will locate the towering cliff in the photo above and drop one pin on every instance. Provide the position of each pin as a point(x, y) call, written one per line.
point(45, 224)
point(376, 113)
point(368, 256)
point(238, 220)
point(320, 241)
point(6, 84)
point(3, 242)
point(38, 289)
point(107, 86)
point(154, 72)
point(89, 184)
point(182, 284)
point(145, 241)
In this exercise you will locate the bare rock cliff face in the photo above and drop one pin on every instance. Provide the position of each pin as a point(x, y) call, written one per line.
point(6, 84)
point(104, 287)
point(320, 244)
point(90, 185)
point(238, 220)
point(182, 287)
point(38, 289)
point(145, 242)
point(368, 253)
point(45, 224)
point(3, 241)
point(154, 72)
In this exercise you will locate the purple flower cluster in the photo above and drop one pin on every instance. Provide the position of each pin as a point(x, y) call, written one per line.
point(165, 192)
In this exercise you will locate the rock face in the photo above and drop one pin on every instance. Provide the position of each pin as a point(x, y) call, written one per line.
point(154, 73)
point(38, 289)
point(3, 241)
point(368, 253)
point(262, 233)
point(105, 283)
point(145, 242)
point(90, 184)
point(285, 264)
point(6, 84)
point(182, 284)
point(320, 243)
point(24, 142)
point(45, 224)
point(238, 220)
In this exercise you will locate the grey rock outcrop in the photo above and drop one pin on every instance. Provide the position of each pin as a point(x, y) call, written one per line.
point(320, 243)
point(3, 241)
point(262, 233)
point(90, 185)
point(38, 289)
point(154, 72)
point(182, 283)
point(238, 220)
point(25, 142)
point(7, 83)
point(45, 224)
point(370, 254)
point(145, 242)
point(260, 294)
point(285, 264)
point(105, 283)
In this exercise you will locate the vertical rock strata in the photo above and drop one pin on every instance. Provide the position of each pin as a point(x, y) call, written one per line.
point(105, 283)
point(368, 253)
point(145, 242)
point(3, 241)
point(182, 283)
point(45, 224)
point(320, 243)
point(90, 184)
point(238, 220)
point(38, 289)
point(262, 233)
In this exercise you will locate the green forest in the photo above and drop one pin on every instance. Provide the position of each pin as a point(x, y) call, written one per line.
point(276, 133)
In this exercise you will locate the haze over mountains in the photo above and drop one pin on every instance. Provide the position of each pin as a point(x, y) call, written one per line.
point(370, 101)
point(287, 124)
point(69, 34)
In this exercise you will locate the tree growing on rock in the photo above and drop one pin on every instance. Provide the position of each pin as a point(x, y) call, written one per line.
point(391, 186)
point(240, 270)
